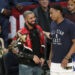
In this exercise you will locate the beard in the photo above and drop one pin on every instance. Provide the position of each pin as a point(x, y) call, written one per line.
point(31, 24)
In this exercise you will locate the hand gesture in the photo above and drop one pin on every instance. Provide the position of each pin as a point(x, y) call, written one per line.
point(22, 37)
point(64, 62)
point(42, 60)
point(36, 59)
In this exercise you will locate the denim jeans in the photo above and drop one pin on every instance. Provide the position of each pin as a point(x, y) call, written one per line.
point(28, 70)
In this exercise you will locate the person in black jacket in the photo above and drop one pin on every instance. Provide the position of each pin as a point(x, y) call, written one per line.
point(10, 61)
point(43, 19)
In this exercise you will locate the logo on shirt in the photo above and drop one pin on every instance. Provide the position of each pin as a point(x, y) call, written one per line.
point(56, 36)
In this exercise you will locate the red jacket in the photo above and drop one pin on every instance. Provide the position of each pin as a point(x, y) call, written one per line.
point(27, 44)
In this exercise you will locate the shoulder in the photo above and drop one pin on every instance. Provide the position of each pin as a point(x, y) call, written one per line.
point(69, 22)
point(23, 30)
point(36, 11)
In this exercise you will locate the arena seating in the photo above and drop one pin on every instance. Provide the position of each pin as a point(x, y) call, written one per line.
point(16, 20)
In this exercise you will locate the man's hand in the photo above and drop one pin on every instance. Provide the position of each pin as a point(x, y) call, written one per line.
point(64, 62)
point(42, 60)
point(15, 50)
point(36, 59)
point(22, 37)
point(47, 34)
point(5, 50)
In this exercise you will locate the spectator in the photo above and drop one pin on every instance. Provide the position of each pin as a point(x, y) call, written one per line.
point(5, 12)
point(43, 19)
point(2, 47)
point(10, 64)
point(70, 14)
point(2, 51)
point(63, 43)
point(33, 40)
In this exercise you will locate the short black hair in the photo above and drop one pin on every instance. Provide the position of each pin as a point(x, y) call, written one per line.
point(57, 7)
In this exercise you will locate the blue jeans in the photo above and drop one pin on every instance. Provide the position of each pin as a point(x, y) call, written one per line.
point(28, 70)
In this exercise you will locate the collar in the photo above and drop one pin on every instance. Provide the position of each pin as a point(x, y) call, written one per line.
point(60, 22)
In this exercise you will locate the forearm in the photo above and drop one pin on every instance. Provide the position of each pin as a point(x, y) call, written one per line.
point(72, 51)
point(47, 34)
point(44, 32)
point(68, 56)
point(50, 55)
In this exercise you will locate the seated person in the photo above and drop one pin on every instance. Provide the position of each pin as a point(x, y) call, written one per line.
point(10, 60)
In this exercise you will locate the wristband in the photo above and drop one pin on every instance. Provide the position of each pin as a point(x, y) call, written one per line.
point(67, 57)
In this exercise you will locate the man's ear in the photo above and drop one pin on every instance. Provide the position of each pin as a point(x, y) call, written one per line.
point(25, 19)
point(59, 11)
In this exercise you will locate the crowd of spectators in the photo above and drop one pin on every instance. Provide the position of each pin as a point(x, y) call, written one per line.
point(44, 19)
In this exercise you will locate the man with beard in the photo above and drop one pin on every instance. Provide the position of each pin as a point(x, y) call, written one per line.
point(70, 11)
point(32, 38)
